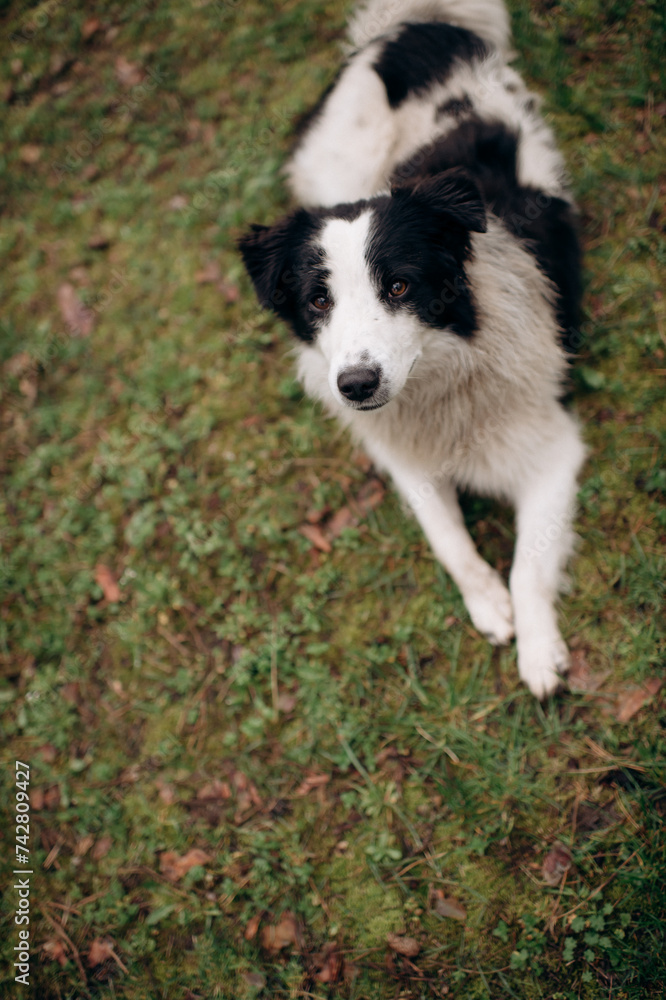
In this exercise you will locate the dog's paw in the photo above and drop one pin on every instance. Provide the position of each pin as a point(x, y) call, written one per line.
point(489, 606)
point(543, 664)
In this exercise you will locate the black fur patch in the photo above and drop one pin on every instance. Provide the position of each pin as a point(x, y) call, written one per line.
point(424, 54)
point(421, 235)
point(287, 267)
point(547, 225)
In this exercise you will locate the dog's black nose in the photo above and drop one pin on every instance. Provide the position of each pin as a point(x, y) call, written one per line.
point(358, 383)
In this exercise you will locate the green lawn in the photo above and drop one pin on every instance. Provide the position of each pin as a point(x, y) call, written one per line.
point(254, 763)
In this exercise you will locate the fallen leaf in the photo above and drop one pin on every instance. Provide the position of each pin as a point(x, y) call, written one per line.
point(176, 866)
point(79, 319)
point(90, 27)
point(209, 274)
point(631, 702)
point(83, 845)
point(48, 753)
point(312, 781)
point(581, 677)
point(101, 950)
point(254, 980)
point(29, 153)
point(284, 934)
point(166, 792)
point(445, 906)
point(315, 535)
point(371, 495)
point(252, 927)
point(102, 847)
point(98, 241)
point(406, 946)
point(555, 865)
point(105, 579)
point(52, 797)
point(229, 290)
point(28, 388)
point(128, 74)
point(36, 799)
point(214, 791)
point(18, 364)
point(54, 950)
point(343, 518)
point(178, 202)
point(330, 964)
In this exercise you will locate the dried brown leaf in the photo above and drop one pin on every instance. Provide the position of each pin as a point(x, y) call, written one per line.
point(445, 906)
point(29, 153)
point(631, 702)
point(407, 946)
point(215, 791)
point(581, 677)
point(209, 274)
point(176, 866)
point(105, 579)
point(89, 28)
point(330, 964)
point(284, 934)
point(343, 518)
point(102, 847)
point(101, 950)
point(312, 781)
point(254, 980)
point(128, 74)
point(315, 535)
point(79, 319)
point(54, 950)
point(83, 845)
point(252, 927)
point(555, 865)
point(18, 364)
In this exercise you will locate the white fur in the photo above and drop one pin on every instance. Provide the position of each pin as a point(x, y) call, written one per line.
point(354, 145)
point(487, 18)
point(483, 413)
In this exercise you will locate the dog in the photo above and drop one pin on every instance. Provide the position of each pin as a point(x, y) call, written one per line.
point(432, 277)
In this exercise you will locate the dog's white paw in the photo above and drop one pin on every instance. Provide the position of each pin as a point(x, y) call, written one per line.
point(542, 664)
point(489, 606)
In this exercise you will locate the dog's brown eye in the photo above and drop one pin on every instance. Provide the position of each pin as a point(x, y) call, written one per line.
point(398, 288)
point(322, 303)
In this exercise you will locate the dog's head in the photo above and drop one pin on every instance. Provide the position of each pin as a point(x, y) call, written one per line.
point(363, 283)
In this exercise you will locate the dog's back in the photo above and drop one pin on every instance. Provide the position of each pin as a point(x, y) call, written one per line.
point(428, 88)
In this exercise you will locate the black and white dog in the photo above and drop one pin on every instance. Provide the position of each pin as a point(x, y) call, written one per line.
point(432, 280)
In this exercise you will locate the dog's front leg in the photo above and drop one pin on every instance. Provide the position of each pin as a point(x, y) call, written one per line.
point(438, 512)
point(545, 508)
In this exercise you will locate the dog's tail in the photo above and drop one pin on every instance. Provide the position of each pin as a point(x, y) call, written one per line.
point(486, 18)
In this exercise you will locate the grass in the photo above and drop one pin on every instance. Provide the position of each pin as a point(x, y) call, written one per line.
point(352, 759)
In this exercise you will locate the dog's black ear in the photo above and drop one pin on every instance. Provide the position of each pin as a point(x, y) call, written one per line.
point(265, 251)
point(452, 194)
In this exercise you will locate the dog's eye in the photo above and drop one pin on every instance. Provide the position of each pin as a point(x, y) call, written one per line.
point(398, 288)
point(321, 302)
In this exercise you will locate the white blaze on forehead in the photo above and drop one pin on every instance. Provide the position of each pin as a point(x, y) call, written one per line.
point(344, 243)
